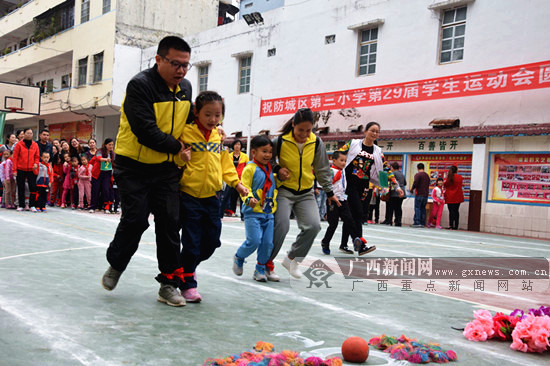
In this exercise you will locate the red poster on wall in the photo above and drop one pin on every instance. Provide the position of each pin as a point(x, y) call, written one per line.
point(55, 131)
point(522, 178)
point(437, 165)
point(84, 131)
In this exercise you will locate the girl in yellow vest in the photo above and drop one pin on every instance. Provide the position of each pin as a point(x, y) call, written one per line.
point(205, 163)
point(301, 157)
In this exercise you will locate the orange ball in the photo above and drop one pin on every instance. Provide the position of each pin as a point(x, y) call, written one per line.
point(355, 349)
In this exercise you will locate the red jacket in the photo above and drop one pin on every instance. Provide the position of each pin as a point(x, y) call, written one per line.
point(453, 191)
point(96, 166)
point(24, 158)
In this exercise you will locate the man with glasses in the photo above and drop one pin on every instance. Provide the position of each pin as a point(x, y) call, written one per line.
point(156, 107)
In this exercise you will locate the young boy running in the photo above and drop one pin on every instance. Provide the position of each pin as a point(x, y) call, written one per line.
point(258, 208)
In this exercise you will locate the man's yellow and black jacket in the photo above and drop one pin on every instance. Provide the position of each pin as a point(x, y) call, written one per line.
point(152, 119)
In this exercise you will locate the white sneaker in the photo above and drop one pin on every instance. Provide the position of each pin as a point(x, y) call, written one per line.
point(272, 276)
point(33, 209)
point(292, 267)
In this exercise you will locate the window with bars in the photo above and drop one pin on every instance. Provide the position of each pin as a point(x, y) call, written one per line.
point(106, 6)
point(82, 71)
point(84, 11)
point(203, 78)
point(368, 45)
point(245, 66)
point(98, 67)
point(453, 29)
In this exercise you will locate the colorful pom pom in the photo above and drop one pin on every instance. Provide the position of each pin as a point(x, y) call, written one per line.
point(404, 348)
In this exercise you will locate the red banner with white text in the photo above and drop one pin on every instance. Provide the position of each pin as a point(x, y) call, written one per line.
point(507, 79)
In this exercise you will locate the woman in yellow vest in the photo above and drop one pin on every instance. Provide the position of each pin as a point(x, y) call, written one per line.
point(301, 157)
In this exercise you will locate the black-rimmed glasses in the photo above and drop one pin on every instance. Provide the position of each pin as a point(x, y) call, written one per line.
point(176, 65)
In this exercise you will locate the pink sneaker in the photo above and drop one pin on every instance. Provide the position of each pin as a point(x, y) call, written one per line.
point(192, 295)
point(438, 227)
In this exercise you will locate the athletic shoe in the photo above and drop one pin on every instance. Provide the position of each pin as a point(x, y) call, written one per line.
point(325, 248)
point(192, 295)
point(259, 275)
point(19, 209)
point(27, 208)
point(91, 211)
point(238, 265)
point(33, 209)
point(292, 267)
point(170, 295)
point(345, 249)
point(110, 278)
point(417, 225)
point(272, 276)
point(364, 249)
point(63, 205)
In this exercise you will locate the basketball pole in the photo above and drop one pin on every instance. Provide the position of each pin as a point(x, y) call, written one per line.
point(2, 122)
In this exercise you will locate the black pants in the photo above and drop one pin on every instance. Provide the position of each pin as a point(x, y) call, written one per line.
point(356, 208)
point(42, 197)
point(393, 207)
point(334, 213)
point(31, 180)
point(142, 193)
point(453, 215)
point(375, 208)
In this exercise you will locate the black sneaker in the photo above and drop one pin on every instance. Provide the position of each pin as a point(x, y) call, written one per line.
point(326, 248)
point(346, 250)
point(364, 249)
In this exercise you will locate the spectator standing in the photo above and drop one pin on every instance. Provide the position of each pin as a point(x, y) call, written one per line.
point(8, 180)
point(393, 206)
point(43, 180)
point(10, 143)
point(421, 187)
point(44, 143)
point(84, 182)
point(25, 162)
point(454, 196)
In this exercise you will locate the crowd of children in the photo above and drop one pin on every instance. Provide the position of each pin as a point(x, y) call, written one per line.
point(37, 174)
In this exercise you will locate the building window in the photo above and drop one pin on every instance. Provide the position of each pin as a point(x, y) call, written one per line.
point(98, 67)
point(330, 39)
point(85, 11)
point(82, 71)
point(271, 52)
point(249, 5)
point(203, 78)
point(368, 44)
point(65, 81)
point(244, 74)
point(49, 85)
point(453, 29)
point(106, 6)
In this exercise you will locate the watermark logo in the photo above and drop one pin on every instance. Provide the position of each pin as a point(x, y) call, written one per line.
point(442, 275)
point(318, 274)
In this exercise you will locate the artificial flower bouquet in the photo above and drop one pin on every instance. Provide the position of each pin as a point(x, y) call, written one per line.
point(528, 332)
point(263, 355)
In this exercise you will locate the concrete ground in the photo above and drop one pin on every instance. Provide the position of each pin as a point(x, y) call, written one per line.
point(53, 310)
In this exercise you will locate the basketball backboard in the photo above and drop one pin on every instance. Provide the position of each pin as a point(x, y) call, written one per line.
point(18, 98)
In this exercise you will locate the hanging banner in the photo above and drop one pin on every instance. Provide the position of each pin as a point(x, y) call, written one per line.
point(522, 178)
point(506, 79)
point(437, 165)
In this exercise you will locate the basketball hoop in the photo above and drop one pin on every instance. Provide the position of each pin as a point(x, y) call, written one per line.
point(15, 109)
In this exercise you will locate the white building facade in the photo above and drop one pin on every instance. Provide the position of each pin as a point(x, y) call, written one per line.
point(76, 51)
point(480, 68)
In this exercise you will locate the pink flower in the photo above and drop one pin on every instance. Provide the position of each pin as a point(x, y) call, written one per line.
point(475, 331)
point(485, 318)
point(532, 334)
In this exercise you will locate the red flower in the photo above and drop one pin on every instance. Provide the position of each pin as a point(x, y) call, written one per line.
point(503, 325)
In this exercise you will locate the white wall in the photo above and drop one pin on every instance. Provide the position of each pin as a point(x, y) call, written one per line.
point(499, 33)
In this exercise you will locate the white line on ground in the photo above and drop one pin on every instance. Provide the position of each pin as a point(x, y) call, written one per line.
point(378, 319)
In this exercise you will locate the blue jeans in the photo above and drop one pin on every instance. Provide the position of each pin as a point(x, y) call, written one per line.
point(322, 203)
point(420, 210)
point(259, 236)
